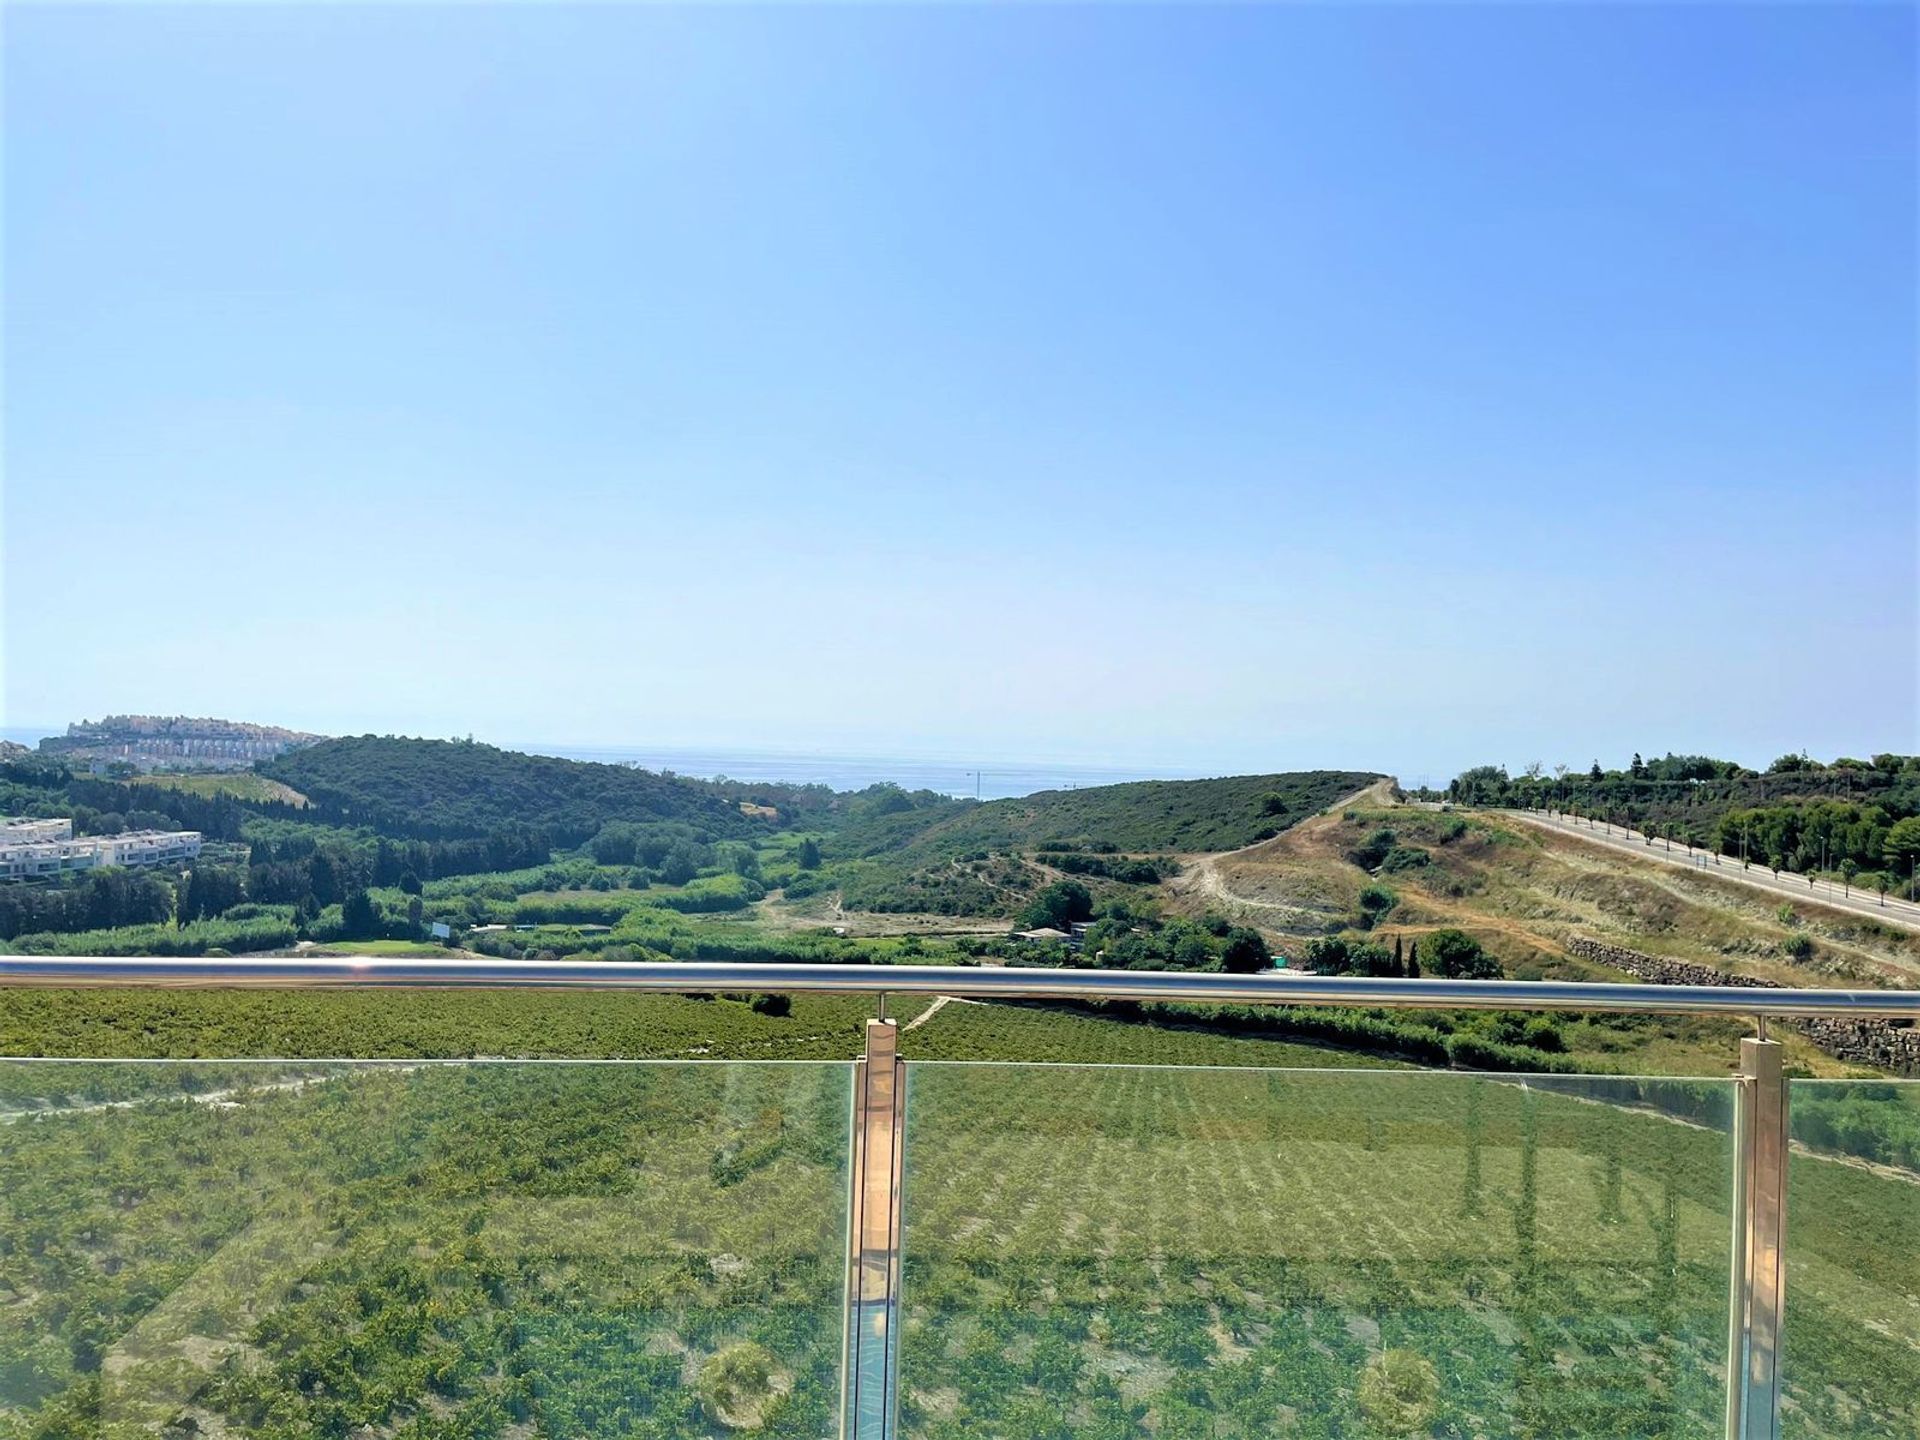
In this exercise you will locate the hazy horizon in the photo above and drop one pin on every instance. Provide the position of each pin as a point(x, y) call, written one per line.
point(1238, 388)
point(815, 763)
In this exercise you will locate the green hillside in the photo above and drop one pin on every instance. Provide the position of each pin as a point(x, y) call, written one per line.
point(1143, 815)
point(926, 854)
point(434, 788)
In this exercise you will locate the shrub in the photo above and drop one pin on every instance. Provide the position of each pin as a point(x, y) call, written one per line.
point(1371, 851)
point(1375, 902)
point(1398, 1390)
point(737, 1384)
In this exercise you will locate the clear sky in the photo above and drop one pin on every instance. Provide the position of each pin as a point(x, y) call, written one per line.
point(1246, 387)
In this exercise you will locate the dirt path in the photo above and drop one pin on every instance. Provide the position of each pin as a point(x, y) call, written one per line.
point(940, 1003)
point(224, 1099)
point(1201, 873)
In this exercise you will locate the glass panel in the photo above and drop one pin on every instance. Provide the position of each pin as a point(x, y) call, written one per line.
point(1850, 1349)
point(425, 1250)
point(1206, 1254)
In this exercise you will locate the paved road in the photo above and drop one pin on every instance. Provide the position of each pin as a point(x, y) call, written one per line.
point(1896, 911)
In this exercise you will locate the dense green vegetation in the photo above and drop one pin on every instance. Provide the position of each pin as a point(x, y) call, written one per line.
point(434, 789)
point(1144, 816)
point(922, 853)
point(389, 822)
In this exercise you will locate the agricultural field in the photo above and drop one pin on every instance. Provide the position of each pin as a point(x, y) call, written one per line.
point(427, 1251)
point(518, 1250)
point(429, 1024)
point(1225, 1254)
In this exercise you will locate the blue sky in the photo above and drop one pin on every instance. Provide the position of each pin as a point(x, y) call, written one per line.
point(1247, 387)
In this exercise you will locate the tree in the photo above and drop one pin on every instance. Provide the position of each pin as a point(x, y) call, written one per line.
point(358, 919)
point(1456, 955)
point(1246, 952)
point(323, 878)
point(680, 864)
point(410, 883)
point(1413, 961)
point(616, 844)
point(1902, 846)
point(1486, 784)
point(1060, 905)
point(1331, 955)
point(1273, 803)
point(211, 890)
point(809, 857)
point(1596, 773)
point(1327, 955)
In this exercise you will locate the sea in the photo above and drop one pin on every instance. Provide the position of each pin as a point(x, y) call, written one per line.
point(982, 779)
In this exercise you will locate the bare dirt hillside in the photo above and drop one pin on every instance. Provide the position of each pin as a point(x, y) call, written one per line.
point(1524, 891)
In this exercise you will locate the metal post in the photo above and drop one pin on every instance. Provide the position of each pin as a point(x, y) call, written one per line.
point(873, 1279)
point(1759, 1243)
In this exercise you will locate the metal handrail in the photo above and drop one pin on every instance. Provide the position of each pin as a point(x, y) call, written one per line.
point(982, 982)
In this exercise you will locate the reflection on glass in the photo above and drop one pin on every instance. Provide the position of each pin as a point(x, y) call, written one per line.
point(1850, 1363)
point(486, 1249)
point(1199, 1255)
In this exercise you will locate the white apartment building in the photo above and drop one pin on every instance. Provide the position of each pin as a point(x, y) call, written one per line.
point(33, 848)
point(30, 830)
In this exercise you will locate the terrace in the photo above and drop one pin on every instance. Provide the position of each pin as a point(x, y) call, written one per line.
point(883, 1247)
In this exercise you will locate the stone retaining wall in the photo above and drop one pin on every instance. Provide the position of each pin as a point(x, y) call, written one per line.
point(1656, 969)
point(1888, 1044)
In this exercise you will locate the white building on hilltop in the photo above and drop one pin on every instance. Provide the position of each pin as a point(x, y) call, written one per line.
point(30, 849)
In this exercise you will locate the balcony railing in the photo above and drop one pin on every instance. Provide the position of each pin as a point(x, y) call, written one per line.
point(887, 1247)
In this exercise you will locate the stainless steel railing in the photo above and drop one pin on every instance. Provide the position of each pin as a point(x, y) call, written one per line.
point(980, 982)
point(1756, 1303)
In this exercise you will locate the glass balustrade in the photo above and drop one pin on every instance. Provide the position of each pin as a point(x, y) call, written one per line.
point(507, 1249)
point(1209, 1254)
point(431, 1250)
point(1851, 1340)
